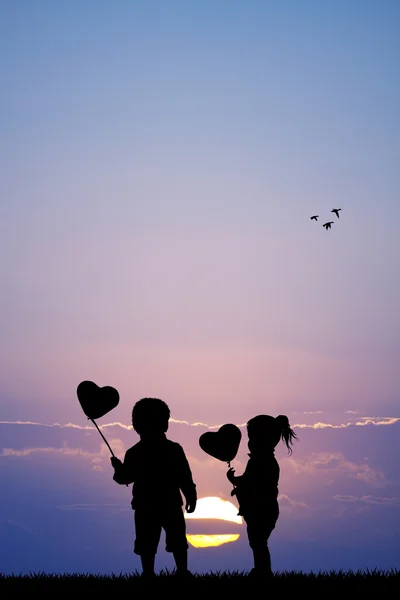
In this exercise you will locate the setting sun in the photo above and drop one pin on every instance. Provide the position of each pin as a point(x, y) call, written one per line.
point(213, 507)
point(208, 541)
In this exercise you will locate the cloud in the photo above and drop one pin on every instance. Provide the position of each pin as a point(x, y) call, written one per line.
point(345, 498)
point(328, 456)
point(335, 462)
point(9, 528)
point(61, 426)
point(361, 422)
point(213, 507)
point(29, 451)
point(385, 501)
point(70, 425)
point(85, 507)
point(308, 412)
point(291, 505)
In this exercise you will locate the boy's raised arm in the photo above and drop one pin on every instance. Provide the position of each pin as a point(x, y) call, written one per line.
point(123, 472)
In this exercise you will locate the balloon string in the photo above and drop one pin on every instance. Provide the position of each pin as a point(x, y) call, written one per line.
point(108, 445)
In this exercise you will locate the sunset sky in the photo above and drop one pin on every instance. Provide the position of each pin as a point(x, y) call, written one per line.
point(160, 161)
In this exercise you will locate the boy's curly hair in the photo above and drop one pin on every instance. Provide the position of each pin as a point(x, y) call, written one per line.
point(150, 415)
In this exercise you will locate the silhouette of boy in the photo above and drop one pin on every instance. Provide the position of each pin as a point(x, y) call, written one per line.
point(160, 472)
point(257, 489)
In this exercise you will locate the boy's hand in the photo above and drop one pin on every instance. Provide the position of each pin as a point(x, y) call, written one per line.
point(190, 506)
point(115, 462)
point(231, 475)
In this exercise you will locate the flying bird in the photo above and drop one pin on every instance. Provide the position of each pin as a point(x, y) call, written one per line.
point(328, 225)
point(315, 217)
point(336, 211)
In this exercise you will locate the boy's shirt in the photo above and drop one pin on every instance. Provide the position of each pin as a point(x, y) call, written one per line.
point(159, 471)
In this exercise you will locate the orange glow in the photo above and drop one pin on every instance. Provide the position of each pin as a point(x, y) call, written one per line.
point(208, 541)
point(213, 507)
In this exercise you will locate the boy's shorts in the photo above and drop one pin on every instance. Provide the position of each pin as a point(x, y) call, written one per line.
point(149, 523)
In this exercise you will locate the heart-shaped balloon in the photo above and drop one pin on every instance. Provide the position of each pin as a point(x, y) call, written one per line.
point(222, 444)
point(96, 401)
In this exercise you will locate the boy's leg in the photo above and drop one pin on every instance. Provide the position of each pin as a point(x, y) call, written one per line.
point(181, 560)
point(175, 536)
point(148, 561)
point(148, 532)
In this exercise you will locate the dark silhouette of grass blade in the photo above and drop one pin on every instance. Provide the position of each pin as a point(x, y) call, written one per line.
point(235, 583)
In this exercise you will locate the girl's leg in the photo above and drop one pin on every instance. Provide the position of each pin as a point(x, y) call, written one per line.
point(262, 560)
point(258, 533)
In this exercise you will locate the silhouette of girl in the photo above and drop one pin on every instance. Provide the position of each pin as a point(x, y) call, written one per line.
point(257, 489)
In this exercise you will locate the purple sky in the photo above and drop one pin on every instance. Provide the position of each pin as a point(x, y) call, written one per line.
point(339, 499)
point(159, 165)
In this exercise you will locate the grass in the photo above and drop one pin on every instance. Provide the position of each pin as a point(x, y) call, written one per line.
point(235, 583)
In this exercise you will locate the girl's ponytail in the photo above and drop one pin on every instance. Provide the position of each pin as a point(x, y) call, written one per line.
point(286, 432)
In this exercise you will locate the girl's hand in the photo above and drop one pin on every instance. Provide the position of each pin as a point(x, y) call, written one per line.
point(231, 475)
